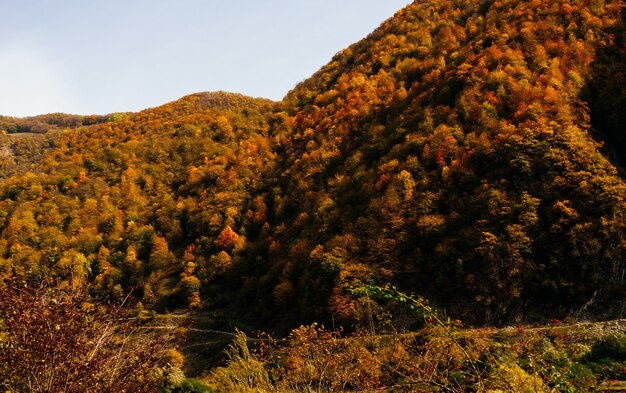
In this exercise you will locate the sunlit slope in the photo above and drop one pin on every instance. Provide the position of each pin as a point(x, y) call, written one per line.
point(449, 153)
point(122, 205)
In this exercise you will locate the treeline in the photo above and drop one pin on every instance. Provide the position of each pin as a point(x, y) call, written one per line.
point(53, 121)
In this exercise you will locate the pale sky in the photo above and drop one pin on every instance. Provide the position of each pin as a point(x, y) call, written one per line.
point(103, 56)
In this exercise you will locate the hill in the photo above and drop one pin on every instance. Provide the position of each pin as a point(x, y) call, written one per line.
point(124, 203)
point(456, 152)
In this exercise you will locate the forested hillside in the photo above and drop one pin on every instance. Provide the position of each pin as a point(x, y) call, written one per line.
point(466, 152)
point(121, 204)
point(453, 153)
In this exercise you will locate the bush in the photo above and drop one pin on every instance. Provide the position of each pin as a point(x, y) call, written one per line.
point(609, 347)
point(55, 340)
point(245, 372)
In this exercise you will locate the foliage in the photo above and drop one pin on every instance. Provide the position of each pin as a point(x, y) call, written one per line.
point(192, 386)
point(244, 373)
point(450, 154)
point(132, 200)
point(52, 121)
point(55, 340)
point(454, 154)
point(608, 357)
point(436, 359)
point(612, 346)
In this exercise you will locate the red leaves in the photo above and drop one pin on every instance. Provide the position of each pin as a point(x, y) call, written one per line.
point(227, 239)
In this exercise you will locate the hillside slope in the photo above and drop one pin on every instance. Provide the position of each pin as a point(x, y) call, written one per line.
point(124, 204)
point(451, 154)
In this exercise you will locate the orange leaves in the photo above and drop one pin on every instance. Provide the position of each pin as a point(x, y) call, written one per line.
point(223, 261)
point(316, 357)
point(228, 239)
point(382, 181)
point(195, 175)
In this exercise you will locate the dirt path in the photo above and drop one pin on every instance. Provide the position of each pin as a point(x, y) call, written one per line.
point(575, 332)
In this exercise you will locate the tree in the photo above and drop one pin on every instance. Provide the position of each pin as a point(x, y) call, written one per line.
point(228, 239)
point(160, 255)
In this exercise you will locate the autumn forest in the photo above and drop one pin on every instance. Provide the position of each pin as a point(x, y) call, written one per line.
point(460, 170)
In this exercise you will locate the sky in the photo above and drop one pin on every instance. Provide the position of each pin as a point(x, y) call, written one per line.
point(104, 56)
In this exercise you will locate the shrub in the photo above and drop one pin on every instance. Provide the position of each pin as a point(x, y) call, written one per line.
point(57, 340)
point(245, 371)
point(609, 347)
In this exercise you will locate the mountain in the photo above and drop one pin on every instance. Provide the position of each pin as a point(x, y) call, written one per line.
point(452, 153)
point(467, 152)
